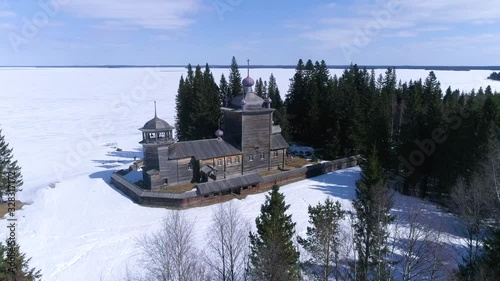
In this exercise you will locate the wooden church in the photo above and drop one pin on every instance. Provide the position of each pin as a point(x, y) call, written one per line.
point(249, 144)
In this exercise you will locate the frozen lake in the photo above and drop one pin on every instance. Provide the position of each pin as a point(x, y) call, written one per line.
point(63, 124)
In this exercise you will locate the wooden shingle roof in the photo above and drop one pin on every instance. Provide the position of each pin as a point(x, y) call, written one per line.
point(202, 149)
point(219, 186)
point(278, 142)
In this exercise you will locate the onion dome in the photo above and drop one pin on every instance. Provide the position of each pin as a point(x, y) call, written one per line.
point(219, 133)
point(248, 82)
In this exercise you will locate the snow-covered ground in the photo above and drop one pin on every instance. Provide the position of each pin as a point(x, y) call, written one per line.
point(65, 126)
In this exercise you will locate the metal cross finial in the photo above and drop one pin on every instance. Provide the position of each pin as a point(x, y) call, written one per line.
point(248, 69)
point(155, 109)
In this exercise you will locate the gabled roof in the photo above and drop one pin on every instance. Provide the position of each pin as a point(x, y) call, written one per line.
point(278, 142)
point(207, 169)
point(228, 184)
point(202, 149)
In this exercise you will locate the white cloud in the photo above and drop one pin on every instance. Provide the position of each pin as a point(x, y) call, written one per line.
point(148, 14)
point(363, 20)
point(7, 14)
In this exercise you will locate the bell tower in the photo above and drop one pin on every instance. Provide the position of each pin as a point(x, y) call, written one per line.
point(156, 138)
point(248, 126)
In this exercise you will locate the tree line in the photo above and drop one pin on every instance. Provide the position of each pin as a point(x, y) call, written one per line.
point(428, 137)
point(494, 76)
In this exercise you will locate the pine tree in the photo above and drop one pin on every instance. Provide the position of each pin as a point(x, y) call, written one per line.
point(11, 179)
point(14, 266)
point(235, 84)
point(273, 255)
point(372, 206)
point(323, 239)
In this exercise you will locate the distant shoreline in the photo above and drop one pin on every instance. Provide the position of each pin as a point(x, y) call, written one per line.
point(428, 68)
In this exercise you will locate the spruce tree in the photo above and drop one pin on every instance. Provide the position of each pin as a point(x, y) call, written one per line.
point(198, 105)
point(296, 103)
point(184, 106)
point(323, 239)
point(210, 97)
point(14, 266)
point(273, 256)
point(223, 90)
point(10, 173)
point(235, 81)
point(274, 93)
point(260, 89)
point(372, 206)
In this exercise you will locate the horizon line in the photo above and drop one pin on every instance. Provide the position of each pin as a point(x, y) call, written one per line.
point(287, 66)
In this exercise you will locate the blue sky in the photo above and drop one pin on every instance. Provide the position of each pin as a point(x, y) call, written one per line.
point(388, 32)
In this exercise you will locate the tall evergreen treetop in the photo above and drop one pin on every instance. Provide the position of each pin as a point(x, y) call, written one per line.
point(235, 84)
point(260, 88)
point(372, 205)
point(198, 105)
point(223, 89)
point(17, 269)
point(274, 93)
point(273, 254)
point(10, 173)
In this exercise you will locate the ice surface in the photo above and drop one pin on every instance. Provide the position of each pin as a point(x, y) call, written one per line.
point(65, 126)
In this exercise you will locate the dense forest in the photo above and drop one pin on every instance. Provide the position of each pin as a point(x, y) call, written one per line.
point(442, 146)
point(428, 137)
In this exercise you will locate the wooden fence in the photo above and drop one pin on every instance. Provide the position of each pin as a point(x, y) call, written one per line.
point(195, 199)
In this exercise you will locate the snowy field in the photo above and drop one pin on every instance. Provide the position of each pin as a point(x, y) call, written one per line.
point(64, 126)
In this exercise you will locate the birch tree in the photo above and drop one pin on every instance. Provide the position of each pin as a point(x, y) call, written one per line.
point(228, 243)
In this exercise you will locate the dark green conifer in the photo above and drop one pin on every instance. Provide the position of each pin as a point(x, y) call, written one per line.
point(273, 255)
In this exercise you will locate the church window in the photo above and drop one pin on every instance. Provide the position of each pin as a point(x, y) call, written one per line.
point(250, 157)
point(161, 134)
point(230, 160)
point(219, 162)
point(262, 156)
point(152, 135)
point(190, 166)
point(275, 154)
point(237, 159)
